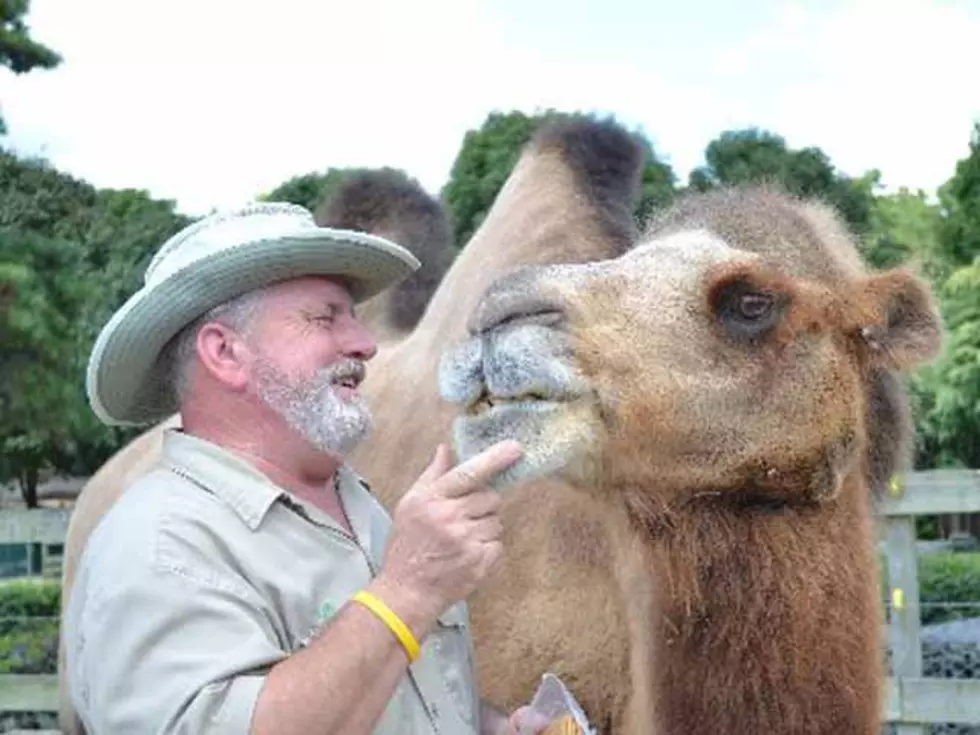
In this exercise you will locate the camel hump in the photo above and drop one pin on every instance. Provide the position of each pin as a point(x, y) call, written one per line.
point(607, 162)
point(389, 203)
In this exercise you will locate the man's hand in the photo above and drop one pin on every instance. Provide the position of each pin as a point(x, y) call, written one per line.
point(525, 721)
point(445, 535)
point(522, 721)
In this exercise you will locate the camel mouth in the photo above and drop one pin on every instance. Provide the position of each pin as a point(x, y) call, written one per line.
point(519, 383)
point(488, 403)
point(529, 366)
point(555, 431)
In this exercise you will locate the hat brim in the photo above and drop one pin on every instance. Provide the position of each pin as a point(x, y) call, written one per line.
point(126, 382)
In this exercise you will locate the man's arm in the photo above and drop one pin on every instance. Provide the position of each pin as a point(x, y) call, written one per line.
point(163, 651)
point(342, 682)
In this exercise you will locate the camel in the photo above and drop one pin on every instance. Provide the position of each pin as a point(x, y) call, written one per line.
point(737, 559)
point(727, 391)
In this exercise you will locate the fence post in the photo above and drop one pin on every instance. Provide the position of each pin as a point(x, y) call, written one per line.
point(903, 596)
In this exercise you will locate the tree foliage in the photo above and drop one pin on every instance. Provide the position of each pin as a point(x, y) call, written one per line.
point(37, 353)
point(752, 155)
point(959, 231)
point(948, 391)
point(19, 52)
point(69, 255)
point(902, 228)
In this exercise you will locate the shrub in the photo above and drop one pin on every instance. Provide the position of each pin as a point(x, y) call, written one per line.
point(29, 627)
point(949, 578)
point(949, 585)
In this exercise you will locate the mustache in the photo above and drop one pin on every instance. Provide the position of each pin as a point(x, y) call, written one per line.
point(349, 370)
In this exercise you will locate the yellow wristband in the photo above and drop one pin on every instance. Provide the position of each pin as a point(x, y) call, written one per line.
point(401, 631)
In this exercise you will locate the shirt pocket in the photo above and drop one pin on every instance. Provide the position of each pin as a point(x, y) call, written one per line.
point(453, 657)
point(316, 616)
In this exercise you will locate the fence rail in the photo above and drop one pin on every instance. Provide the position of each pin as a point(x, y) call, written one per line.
point(911, 701)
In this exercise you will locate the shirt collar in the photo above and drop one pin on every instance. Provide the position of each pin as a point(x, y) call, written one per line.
point(250, 493)
point(224, 474)
point(356, 500)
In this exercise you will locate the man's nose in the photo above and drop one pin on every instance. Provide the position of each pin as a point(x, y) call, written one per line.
point(359, 342)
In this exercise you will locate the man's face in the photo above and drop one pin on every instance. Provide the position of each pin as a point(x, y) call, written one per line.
point(308, 358)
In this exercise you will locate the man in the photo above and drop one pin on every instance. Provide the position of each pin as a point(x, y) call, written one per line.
point(250, 583)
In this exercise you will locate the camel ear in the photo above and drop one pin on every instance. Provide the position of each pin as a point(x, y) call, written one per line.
point(903, 327)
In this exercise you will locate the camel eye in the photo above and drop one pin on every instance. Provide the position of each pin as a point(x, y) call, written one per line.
point(754, 305)
point(746, 311)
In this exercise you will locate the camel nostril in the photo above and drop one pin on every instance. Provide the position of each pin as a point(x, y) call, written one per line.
point(507, 309)
point(517, 299)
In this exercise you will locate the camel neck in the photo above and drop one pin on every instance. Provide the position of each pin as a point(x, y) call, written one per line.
point(769, 621)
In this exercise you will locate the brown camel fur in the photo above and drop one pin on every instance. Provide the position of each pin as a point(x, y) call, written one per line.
point(725, 390)
point(635, 594)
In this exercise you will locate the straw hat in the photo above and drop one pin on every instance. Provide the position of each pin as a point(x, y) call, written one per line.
point(217, 258)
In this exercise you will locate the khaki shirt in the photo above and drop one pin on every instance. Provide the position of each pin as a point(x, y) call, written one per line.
point(205, 574)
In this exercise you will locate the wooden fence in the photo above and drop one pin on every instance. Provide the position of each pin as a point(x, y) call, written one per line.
point(911, 700)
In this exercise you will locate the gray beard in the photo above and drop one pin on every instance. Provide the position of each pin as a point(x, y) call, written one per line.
point(313, 408)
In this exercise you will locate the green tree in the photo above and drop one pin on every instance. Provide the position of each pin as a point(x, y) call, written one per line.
point(123, 229)
point(753, 155)
point(902, 228)
point(18, 51)
point(37, 352)
point(69, 255)
point(42, 215)
point(948, 391)
point(959, 230)
point(489, 154)
point(36, 197)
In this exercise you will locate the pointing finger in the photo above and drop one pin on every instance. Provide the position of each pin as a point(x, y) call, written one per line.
point(438, 466)
point(477, 471)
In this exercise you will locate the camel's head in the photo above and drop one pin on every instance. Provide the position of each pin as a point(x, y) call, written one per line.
point(707, 360)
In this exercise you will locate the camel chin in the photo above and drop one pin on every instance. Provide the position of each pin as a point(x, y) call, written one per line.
point(520, 384)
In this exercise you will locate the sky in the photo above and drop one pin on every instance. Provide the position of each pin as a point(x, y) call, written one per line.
point(212, 102)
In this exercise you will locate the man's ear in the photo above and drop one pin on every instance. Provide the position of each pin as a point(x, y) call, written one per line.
point(220, 355)
point(902, 327)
